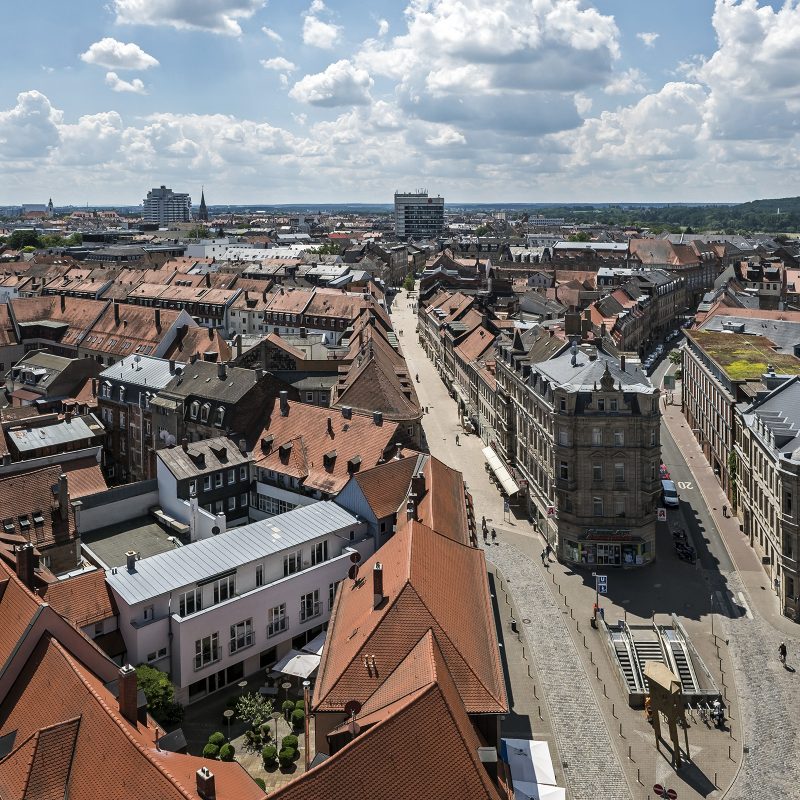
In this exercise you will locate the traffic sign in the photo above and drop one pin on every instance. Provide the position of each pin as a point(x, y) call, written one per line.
point(551, 511)
point(658, 790)
point(506, 506)
point(662, 514)
point(602, 588)
point(671, 794)
point(602, 580)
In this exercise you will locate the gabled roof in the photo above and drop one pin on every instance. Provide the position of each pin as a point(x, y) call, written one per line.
point(418, 701)
point(306, 427)
point(83, 599)
point(443, 505)
point(199, 458)
point(385, 487)
point(475, 344)
point(457, 609)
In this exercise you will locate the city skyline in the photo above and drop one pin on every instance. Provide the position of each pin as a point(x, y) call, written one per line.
point(277, 103)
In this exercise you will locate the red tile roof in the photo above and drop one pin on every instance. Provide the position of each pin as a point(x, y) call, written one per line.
point(390, 759)
point(386, 486)
point(443, 506)
point(82, 600)
point(475, 344)
point(84, 477)
point(306, 426)
point(458, 611)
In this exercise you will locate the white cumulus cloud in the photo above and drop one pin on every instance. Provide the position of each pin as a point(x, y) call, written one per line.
point(279, 64)
point(118, 85)
point(30, 128)
point(629, 82)
point(112, 54)
point(340, 84)
point(649, 39)
point(318, 33)
point(214, 16)
point(383, 27)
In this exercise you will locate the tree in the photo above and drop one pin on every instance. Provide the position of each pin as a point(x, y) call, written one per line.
point(254, 709)
point(327, 249)
point(675, 357)
point(408, 282)
point(198, 232)
point(580, 237)
point(160, 694)
point(482, 230)
point(20, 239)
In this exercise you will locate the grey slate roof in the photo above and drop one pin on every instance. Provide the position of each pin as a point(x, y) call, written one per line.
point(27, 439)
point(780, 414)
point(148, 371)
point(198, 561)
point(200, 458)
point(586, 373)
point(201, 379)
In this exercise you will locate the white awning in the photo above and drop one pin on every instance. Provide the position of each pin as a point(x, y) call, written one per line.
point(296, 663)
point(316, 644)
point(531, 768)
point(499, 469)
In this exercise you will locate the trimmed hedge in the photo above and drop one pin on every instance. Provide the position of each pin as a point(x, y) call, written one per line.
point(287, 707)
point(286, 757)
point(270, 755)
point(217, 738)
point(290, 740)
point(227, 752)
point(210, 751)
point(301, 704)
point(298, 717)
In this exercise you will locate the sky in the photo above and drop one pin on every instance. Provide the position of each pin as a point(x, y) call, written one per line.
point(340, 101)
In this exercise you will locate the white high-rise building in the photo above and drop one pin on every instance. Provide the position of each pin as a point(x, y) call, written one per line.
point(417, 216)
point(162, 206)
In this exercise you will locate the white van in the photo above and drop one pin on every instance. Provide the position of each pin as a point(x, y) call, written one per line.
point(670, 494)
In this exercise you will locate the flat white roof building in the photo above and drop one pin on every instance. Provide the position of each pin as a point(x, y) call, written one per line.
point(218, 609)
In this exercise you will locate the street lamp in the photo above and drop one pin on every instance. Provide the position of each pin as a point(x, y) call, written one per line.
point(306, 685)
point(228, 713)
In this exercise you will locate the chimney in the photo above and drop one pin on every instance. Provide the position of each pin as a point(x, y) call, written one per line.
point(205, 784)
point(239, 346)
point(488, 757)
point(68, 416)
point(208, 279)
point(259, 373)
point(172, 366)
point(330, 427)
point(211, 334)
point(185, 444)
point(411, 507)
point(418, 485)
point(284, 396)
point(94, 387)
point(243, 447)
point(222, 372)
point(63, 303)
point(130, 558)
point(127, 691)
point(377, 417)
point(303, 333)
point(622, 363)
point(158, 319)
point(116, 312)
point(26, 564)
point(193, 358)
point(377, 585)
point(63, 496)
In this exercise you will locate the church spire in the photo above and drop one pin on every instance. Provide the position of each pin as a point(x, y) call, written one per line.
point(202, 212)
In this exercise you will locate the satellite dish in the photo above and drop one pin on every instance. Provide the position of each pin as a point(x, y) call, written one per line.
point(355, 557)
point(352, 707)
point(352, 573)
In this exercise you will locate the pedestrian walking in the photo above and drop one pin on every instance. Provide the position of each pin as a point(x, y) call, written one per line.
point(545, 562)
point(782, 653)
point(485, 536)
point(548, 550)
point(483, 523)
point(494, 535)
point(457, 442)
point(724, 511)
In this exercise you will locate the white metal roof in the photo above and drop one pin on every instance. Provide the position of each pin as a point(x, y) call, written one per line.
point(201, 560)
point(141, 371)
point(503, 475)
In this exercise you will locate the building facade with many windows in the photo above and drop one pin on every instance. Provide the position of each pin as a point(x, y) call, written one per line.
point(213, 611)
point(582, 431)
point(162, 206)
point(417, 216)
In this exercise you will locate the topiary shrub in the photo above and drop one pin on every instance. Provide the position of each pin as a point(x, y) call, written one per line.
point(286, 757)
point(301, 704)
point(261, 783)
point(270, 755)
point(266, 732)
point(287, 707)
point(227, 752)
point(289, 741)
point(210, 751)
point(298, 717)
point(217, 738)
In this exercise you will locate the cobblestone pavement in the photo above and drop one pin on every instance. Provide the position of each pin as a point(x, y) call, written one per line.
point(593, 771)
point(768, 693)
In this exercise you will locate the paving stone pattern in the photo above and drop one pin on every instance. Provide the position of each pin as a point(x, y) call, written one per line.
point(594, 771)
point(769, 696)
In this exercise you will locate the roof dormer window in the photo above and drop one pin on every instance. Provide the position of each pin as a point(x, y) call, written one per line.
point(194, 409)
point(205, 410)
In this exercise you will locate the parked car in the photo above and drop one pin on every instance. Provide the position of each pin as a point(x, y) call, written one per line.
point(670, 494)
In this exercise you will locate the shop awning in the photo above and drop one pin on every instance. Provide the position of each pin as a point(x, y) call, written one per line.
point(531, 768)
point(298, 664)
point(316, 644)
point(499, 469)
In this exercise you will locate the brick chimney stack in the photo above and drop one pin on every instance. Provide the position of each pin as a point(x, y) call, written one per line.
point(377, 585)
point(128, 691)
point(205, 784)
point(26, 564)
point(63, 496)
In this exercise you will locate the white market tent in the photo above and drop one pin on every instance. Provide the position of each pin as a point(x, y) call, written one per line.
point(531, 768)
point(298, 664)
point(503, 475)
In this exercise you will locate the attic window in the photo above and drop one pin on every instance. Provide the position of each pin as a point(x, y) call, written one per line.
point(38, 518)
point(266, 442)
point(8, 524)
point(354, 464)
point(329, 458)
point(286, 448)
point(24, 522)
